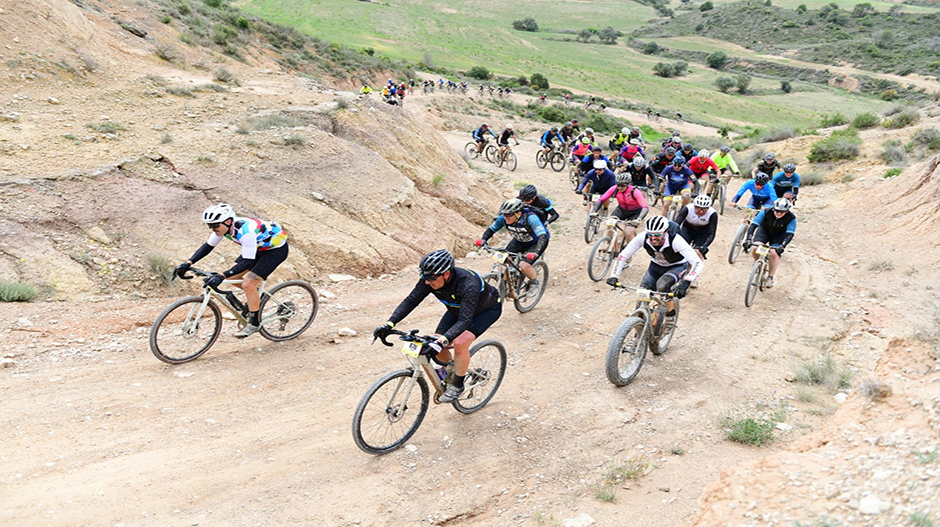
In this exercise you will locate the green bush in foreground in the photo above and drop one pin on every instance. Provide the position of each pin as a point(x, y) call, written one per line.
point(842, 144)
point(17, 292)
point(866, 120)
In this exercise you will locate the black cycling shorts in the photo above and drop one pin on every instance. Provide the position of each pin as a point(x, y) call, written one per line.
point(762, 236)
point(695, 237)
point(515, 246)
point(478, 325)
point(626, 215)
point(659, 278)
point(267, 261)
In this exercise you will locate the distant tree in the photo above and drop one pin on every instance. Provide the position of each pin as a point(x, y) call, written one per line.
point(801, 8)
point(725, 84)
point(863, 9)
point(785, 86)
point(608, 35)
point(706, 6)
point(680, 68)
point(479, 72)
point(651, 48)
point(717, 60)
point(743, 80)
point(522, 80)
point(539, 80)
point(885, 40)
point(662, 69)
point(526, 24)
point(585, 34)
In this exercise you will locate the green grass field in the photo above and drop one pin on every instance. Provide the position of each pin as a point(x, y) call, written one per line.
point(461, 36)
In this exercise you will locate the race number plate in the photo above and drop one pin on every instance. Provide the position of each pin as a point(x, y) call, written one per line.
point(412, 349)
point(500, 257)
point(763, 250)
point(643, 295)
point(611, 222)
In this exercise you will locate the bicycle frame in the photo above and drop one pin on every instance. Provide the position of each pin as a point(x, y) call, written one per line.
point(503, 264)
point(222, 298)
point(420, 363)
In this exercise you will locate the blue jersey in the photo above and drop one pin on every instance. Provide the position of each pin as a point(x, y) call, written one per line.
point(548, 136)
point(600, 182)
point(478, 133)
point(525, 230)
point(772, 224)
point(587, 162)
point(760, 198)
point(783, 184)
point(676, 180)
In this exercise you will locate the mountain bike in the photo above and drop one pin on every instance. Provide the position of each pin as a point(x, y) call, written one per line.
point(489, 151)
point(677, 118)
point(739, 237)
point(640, 330)
point(593, 222)
point(719, 193)
point(554, 157)
point(507, 157)
point(507, 277)
point(391, 410)
point(675, 206)
point(759, 273)
point(607, 248)
point(190, 326)
point(574, 174)
point(655, 193)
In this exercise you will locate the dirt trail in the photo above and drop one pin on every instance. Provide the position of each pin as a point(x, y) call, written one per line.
point(98, 432)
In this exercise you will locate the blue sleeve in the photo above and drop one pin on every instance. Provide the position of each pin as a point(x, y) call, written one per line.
point(549, 206)
point(749, 186)
point(498, 224)
point(760, 217)
point(791, 227)
point(772, 192)
point(546, 137)
point(796, 182)
point(587, 176)
point(536, 226)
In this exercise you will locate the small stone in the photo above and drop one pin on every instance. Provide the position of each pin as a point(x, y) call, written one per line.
point(411, 448)
point(840, 397)
point(7, 363)
point(783, 427)
point(581, 520)
point(346, 332)
point(52, 100)
point(341, 277)
point(871, 505)
point(327, 294)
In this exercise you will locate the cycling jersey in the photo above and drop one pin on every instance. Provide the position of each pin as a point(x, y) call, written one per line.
point(365, 90)
point(619, 140)
point(583, 135)
point(723, 161)
point(464, 295)
point(778, 230)
point(783, 184)
point(674, 251)
point(588, 162)
point(527, 229)
point(544, 209)
point(763, 197)
point(600, 183)
point(630, 151)
point(478, 133)
point(581, 149)
point(689, 220)
point(677, 180)
point(768, 169)
point(642, 177)
point(253, 235)
point(699, 166)
point(629, 200)
point(687, 154)
point(549, 136)
point(660, 162)
point(504, 136)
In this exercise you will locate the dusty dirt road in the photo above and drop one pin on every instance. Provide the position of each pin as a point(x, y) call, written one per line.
point(96, 431)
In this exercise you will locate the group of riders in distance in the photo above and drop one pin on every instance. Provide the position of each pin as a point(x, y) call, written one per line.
point(620, 187)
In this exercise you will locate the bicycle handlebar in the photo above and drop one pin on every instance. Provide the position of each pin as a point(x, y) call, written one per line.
point(652, 293)
point(490, 249)
point(407, 336)
point(204, 274)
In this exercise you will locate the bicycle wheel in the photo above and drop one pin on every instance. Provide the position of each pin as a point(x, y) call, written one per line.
point(737, 245)
point(591, 226)
point(487, 368)
point(673, 211)
point(471, 150)
point(490, 152)
point(384, 418)
point(626, 351)
point(601, 258)
point(525, 302)
point(659, 346)
point(656, 195)
point(511, 161)
point(291, 307)
point(573, 176)
point(176, 337)
point(540, 160)
point(558, 161)
point(753, 283)
point(721, 199)
point(494, 280)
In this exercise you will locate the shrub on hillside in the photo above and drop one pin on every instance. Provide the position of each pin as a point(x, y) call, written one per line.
point(777, 134)
point(539, 80)
point(743, 80)
point(526, 24)
point(17, 292)
point(651, 48)
point(665, 69)
point(717, 60)
point(929, 137)
point(786, 87)
point(479, 72)
point(706, 6)
point(725, 84)
point(608, 35)
point(905, 118)
point(835, 119)
point(808, 179)
point(842, 144)
point(893, 155)
point(866, 120)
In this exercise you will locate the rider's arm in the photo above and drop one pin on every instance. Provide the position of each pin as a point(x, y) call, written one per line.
point(537, 227)
point(733, 165)
point(683, 213)
point(796, 184)
point(712, 230)
point(419, 293)
point(498, 224)
point(709, 163)
point(696, 265)
point(791, 230)
point(584, 180)
point(606, 196)
point(772, 192)
point(203, 250)
point(749, 186)
point(754, 223)
point(626, 254)
point(552, 214)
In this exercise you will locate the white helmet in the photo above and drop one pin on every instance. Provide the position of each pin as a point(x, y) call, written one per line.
point(702, 201)
point(589, 131)
point(656, 225)
point(218, 213)
point(639, 161)
point(509, 126)
point(704, 153)
point(634, 141)
point(625, 130)
point(600, 164)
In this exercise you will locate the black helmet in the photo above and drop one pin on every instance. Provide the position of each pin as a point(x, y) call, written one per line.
point(436, 263)
point(761, 178)
point(554, 129)
point(789, 167)
point(595, 148)
point(769, 157)
point(725, 149)
point(528, 192)
point(678, 161)
point(670, 151)
point(686, 147)
point(484, 125)
point(511, 206)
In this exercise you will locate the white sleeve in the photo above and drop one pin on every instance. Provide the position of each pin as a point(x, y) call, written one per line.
point(626, 253)
point(696, 265)
point(249, 243)
point(214, 239)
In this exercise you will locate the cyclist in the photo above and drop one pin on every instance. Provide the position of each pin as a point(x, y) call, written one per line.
point(649, 112)
point(673, 264)
point(543, 98)
point(775, 228)
point(631, 204)
point(263, 248)
point(724, 162)
point(640, 173)
point(631, 150)
point(548, 138)
point(698, 224)
point(472, 306)
point(619, 140)
point(529, 235)
point(700, 165)
point(673, 141)
point(567, 98)
point(588, 162)
point(365, 90)
point(589, 133)
point(762, 194)
point(768, 165)
point(503, 139)
point(687, 151)
point(575, 125)
point(538, 204)
point(635, 133)
point(411, 86)
point(787, 183)
point(581, 150)
point(663, 160)
point(678, 182)
point(600, 177)
point(567, 132)
point(678, 116)
point(478, 136)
